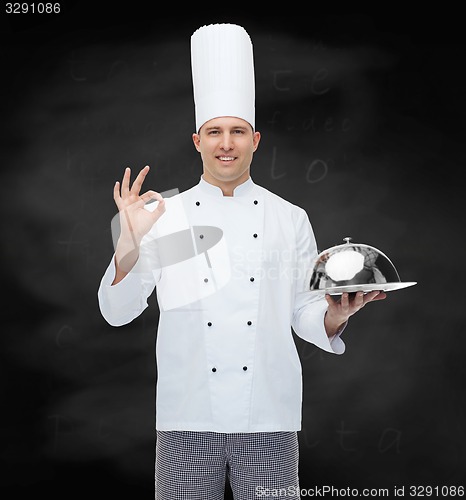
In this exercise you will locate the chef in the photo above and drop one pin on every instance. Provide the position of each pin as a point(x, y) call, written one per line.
point(231, 263)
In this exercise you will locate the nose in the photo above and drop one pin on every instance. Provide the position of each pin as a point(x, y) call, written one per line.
point(227, 142)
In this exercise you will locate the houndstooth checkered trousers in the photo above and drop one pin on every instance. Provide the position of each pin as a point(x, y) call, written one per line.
point(194, 465)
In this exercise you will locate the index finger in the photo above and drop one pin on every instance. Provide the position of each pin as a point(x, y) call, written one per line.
point(374, 295)
point(137, 184)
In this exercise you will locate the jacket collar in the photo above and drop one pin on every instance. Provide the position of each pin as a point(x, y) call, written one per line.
point(242, 190)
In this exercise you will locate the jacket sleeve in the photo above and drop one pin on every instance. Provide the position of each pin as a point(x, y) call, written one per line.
point(310, 307)
point(121, 303)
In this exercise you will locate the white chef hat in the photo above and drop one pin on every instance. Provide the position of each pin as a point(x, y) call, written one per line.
point(223, 73)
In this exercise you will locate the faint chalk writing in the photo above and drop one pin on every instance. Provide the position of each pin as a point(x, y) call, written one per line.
point(327, 124)
point(343, 433)
point(306, 439)
point(316, 171)
point(389, 438)
point(275, 80)
point(316, 86)
point(65, 329)
point(317, 83)
point(114, 68)
point(348, 439)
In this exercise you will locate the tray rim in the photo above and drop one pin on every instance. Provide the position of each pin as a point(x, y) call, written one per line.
point(368, 287)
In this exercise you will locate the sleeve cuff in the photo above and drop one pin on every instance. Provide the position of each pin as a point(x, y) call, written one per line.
point(121, 302)
point(336, 343)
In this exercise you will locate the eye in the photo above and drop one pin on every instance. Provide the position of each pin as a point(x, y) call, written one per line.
point(238, 131)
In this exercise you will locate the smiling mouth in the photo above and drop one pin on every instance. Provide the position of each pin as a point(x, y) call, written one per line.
point(226, 158)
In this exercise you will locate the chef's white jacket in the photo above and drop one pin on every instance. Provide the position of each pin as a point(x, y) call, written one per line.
point(234, 280)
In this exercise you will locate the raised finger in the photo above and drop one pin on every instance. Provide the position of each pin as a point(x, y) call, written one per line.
point(125, 182)
point(116, 194)
point(137, 184)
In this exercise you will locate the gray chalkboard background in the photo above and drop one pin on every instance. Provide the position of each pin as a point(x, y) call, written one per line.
point(363, 125)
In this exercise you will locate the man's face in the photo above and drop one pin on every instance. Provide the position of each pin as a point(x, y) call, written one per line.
point(227, 145)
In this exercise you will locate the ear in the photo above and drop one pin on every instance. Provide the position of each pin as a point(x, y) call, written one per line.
point(196, 141)
point(256, 139)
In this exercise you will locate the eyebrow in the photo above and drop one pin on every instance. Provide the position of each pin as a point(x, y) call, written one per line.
point(234, 127)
